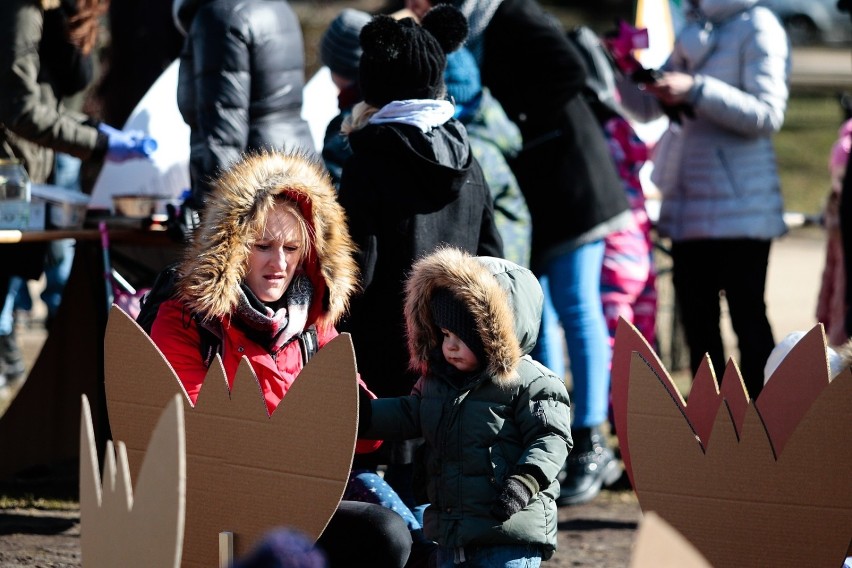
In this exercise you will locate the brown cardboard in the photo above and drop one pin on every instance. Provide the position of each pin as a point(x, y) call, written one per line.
point(659, 545)
point(120, 527)
point(734, 497)
point(247, 472)
point(627, 340)
point(705, 397)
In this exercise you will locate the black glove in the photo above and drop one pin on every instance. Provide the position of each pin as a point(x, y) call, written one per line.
point(182, 221)
point(516, 494)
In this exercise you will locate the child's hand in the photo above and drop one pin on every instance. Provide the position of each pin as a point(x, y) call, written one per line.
point(514, 497)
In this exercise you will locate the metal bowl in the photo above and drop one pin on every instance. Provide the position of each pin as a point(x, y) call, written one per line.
point(137, 206)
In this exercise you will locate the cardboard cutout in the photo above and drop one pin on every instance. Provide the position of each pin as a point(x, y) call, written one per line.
point(659, 545)
point(247, 472)
point(120, 527)
point(770, 486)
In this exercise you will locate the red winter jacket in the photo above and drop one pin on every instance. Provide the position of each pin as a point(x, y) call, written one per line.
point(176, 335)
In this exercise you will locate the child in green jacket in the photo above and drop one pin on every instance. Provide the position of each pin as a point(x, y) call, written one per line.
point(496, 423)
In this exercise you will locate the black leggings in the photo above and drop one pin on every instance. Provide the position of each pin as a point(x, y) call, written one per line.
point(701, 270)
point(364, 534)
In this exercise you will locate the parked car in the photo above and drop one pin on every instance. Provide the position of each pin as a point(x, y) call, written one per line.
point(811, 22)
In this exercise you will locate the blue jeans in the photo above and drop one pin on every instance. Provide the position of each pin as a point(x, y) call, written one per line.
point(7, 312)
point(507, 556)
point(572, 282)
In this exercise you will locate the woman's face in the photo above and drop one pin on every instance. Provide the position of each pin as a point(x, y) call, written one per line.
point(275, 256)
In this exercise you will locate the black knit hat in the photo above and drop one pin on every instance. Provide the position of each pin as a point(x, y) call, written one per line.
point(340, 48)
point(402, 60)
point(448, 312)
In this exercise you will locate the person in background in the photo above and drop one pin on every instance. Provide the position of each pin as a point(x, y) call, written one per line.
point(716, 168)
point(143, 42)
point(831, 301)
point(496, 423)
point(242, 70)
point(628, 276)
point(268, 274)
point(340, 51)
point(494, 139)
point(575, 198)
point(845, 214)
point(44, 56)
point(410, 185)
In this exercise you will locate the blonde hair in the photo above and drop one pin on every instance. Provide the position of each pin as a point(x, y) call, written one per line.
point(361, 114)
point(287, 206)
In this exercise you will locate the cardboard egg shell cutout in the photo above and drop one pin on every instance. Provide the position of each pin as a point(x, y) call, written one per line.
point(120, 526)
point(735, 496)
point(246, 471)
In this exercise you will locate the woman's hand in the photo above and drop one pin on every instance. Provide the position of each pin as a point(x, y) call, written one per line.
point(672, 88)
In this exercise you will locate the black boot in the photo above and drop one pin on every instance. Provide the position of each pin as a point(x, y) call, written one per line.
point(11, 358)
point(591, 465)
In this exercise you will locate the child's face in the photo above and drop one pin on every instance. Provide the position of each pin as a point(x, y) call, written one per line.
point(457, 353)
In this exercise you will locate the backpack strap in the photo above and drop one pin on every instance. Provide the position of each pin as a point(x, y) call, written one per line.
point(209, 343)
point(308, 343)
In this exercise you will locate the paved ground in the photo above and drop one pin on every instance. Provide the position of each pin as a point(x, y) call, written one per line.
point(822, 66)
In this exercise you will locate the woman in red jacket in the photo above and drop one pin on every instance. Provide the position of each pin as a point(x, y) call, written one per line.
point(268, 274)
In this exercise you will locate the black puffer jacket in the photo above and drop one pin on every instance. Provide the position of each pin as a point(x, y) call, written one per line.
point(241, 76)
point(565, 171)
point(405, 193)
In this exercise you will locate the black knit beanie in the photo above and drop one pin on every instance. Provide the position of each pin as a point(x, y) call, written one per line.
point(448, 312)
point(402, 60)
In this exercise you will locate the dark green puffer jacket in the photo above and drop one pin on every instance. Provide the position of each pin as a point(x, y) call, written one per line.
point(511, 418)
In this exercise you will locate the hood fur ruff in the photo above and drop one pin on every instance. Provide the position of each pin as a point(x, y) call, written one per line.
point(216, 261)
point(475, 285)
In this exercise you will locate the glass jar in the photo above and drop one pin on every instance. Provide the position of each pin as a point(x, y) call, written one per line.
point(14, 181)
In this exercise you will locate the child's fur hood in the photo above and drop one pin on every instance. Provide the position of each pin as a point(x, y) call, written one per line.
point(505, 300)
point(216, 261)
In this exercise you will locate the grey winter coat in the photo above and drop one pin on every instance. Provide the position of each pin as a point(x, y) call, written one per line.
point(717, 171)
point(513, 417)
point(242, 71)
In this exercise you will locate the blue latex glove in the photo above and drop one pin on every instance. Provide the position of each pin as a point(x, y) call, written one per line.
point(127, 145)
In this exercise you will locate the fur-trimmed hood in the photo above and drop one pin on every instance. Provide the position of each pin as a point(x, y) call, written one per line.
point(216, 262)
point(505, 300)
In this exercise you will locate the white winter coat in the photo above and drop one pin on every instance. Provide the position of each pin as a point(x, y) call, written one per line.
point(717, 171)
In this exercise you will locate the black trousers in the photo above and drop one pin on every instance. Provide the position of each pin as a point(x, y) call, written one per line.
point(846, 239)
point(363, 534)
point(702, 270)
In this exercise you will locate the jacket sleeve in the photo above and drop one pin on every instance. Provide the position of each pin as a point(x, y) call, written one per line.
point(757, 107)
point(543, 413)
point(221, 79)
point(396, 418)
point(176, 336)
point(28, 108)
